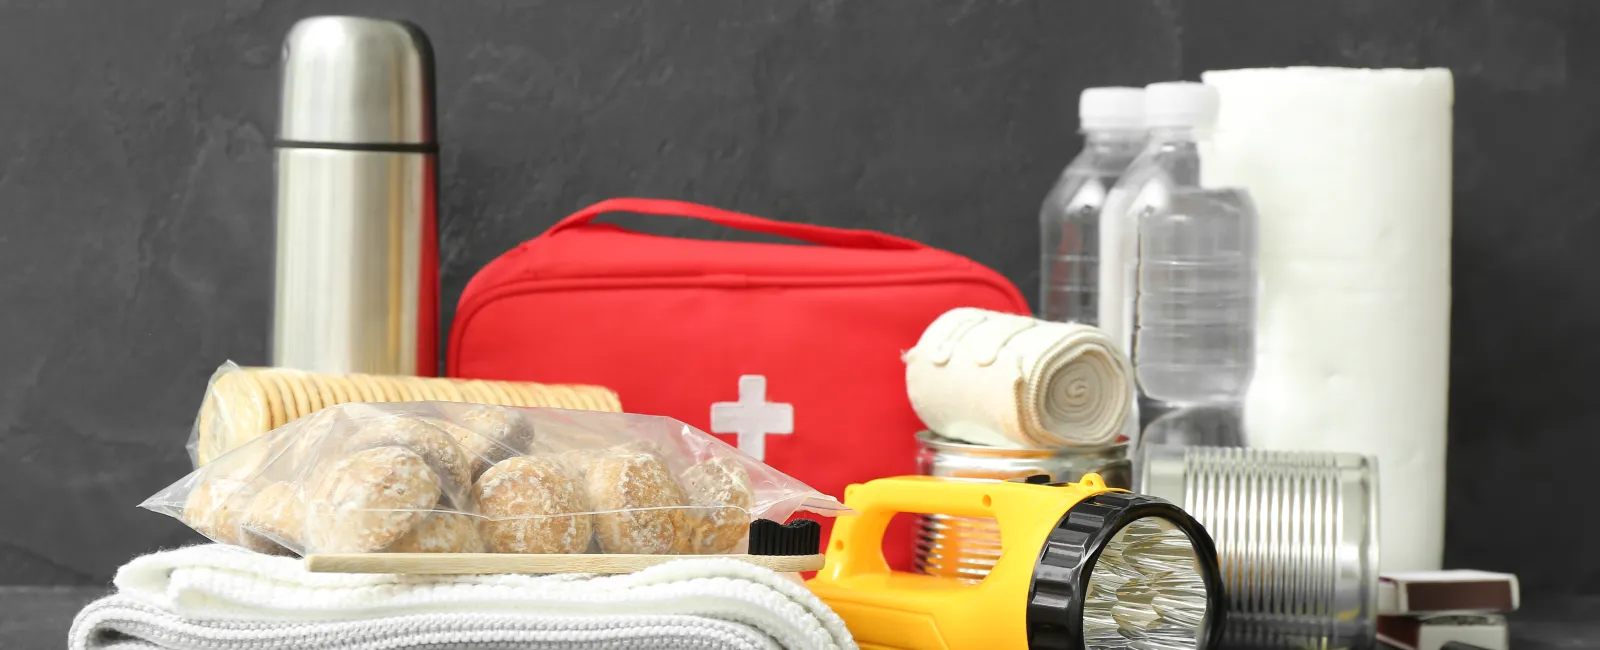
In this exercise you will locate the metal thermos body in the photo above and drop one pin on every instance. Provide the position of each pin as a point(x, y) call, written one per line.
point(357, 254)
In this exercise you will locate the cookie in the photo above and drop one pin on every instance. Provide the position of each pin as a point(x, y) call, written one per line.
point(277, 515)
point(217, 509)
point(719, 488)
point(501, 431)
point(441, 451)
point(530, 505)
point(369, 500)
point(442, 532)
point(577, 462)
point(623, 482)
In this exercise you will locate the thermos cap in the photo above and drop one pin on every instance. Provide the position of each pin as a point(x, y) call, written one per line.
point(349, 80)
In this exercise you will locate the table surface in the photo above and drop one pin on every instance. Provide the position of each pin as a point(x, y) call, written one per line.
point(38, 617)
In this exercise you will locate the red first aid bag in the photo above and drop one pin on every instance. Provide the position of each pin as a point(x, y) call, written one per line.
point(790, 352)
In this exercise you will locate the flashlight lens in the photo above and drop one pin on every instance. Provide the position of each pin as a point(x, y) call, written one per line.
point(1145, 591)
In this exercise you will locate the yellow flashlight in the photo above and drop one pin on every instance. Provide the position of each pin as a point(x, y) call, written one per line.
point(1082, 567)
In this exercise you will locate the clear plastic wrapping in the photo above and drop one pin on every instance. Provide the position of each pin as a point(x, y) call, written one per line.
point(441, 477)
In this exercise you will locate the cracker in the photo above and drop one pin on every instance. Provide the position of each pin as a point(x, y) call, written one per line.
point(604, 397)
point(298, 404)
point(497, 389)
point(336, 387)
point(474, 393)
point(421, 389)
point(518, 392)
point(539, 394)
point(449, 391)
point(233, 408)
point(303, 382)
point(382, 391)
point(319, 391)
point(277, 396)
point(402, 388)
point(567, 398)
point(364, 389)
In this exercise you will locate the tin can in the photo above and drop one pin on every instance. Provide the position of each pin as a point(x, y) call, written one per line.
point(968, 547)
point(1296, 534)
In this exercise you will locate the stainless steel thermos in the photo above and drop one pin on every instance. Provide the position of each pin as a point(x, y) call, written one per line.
point(357, 253)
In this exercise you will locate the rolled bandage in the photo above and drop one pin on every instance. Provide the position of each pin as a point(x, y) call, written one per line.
point(1004, 380)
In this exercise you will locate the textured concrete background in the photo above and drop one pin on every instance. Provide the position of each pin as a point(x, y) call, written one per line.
point(136, 178)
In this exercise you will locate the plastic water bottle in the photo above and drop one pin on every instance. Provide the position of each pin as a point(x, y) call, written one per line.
point(1179, 116)
point(1112, 122)
point(1187, 255)
point(1197, 296)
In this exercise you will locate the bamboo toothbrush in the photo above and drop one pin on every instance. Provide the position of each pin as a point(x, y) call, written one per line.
point(786, 548)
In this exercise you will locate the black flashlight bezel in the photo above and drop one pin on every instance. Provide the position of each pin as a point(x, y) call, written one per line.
point(1060, 580)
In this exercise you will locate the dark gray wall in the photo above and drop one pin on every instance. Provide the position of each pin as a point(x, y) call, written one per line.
point(135, 196)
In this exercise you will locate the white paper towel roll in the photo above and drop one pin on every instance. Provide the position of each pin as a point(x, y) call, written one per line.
point(1350, 170)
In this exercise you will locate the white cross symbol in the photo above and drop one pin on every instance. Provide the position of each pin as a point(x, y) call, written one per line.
point(752, 417)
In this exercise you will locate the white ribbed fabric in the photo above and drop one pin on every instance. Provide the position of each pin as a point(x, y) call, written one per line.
point(222, 597)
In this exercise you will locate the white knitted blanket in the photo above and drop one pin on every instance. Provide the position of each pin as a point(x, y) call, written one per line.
point(218, 597)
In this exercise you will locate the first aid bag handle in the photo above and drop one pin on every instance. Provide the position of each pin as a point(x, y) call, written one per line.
point(820, 235)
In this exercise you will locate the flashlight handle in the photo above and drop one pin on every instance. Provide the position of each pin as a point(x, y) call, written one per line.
point(856, 546)
point(958, 497)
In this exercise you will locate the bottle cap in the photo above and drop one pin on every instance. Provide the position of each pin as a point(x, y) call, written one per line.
point(350, 80)
point(1111, 108)
point(1179, 104)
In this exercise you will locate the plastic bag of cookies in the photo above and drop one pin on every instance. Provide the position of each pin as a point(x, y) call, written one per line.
point(454, 477)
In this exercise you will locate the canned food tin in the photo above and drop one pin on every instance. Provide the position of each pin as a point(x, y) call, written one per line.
point(1296, 533)
point(968, 547)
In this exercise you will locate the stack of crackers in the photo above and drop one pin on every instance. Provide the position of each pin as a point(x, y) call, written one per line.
point(241, 404)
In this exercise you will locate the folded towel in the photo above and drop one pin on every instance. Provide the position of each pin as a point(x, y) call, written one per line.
point(1004, 380)
point(219, 597)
